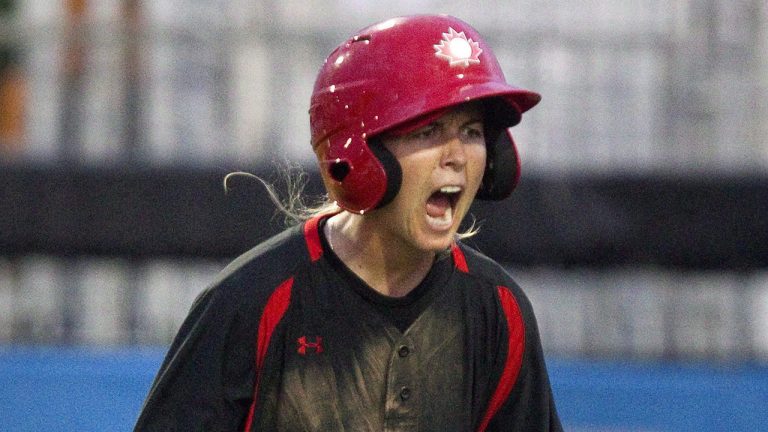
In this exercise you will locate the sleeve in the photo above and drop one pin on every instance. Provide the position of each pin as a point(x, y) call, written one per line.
point(206, 380)
point(530, 406)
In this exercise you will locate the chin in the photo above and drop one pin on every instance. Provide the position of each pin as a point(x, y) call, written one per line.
point(438, 244)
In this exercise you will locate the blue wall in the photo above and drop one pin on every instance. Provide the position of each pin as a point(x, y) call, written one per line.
point(73, 390)
point(661, 396)
point(96, 390)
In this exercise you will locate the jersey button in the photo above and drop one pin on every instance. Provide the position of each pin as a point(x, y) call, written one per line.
point(405, 393)
point(403, 351)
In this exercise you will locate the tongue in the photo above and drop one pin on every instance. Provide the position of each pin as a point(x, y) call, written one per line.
point(438, 204)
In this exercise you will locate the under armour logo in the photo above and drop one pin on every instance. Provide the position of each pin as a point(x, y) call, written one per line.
point(317, 345)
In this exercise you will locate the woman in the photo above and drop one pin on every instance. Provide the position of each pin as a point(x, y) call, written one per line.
point(372, 315)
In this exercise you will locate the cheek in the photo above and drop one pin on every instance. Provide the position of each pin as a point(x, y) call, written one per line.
point(476, 162)
point(417, 167)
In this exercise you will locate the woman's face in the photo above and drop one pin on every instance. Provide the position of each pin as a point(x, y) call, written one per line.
point(442, 165)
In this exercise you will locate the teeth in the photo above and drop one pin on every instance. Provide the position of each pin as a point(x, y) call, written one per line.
point(450, 189)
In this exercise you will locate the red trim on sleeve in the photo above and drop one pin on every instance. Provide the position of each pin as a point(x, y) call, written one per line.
point(273, 312)
point(459, 260)
point(515, 350)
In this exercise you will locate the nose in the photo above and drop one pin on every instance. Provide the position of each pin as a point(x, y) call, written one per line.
point(454, 153)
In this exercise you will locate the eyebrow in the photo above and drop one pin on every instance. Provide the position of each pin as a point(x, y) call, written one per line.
point(440, 121)
point(472, 120)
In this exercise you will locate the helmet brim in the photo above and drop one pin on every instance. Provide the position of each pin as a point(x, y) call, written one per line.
point(514, 102)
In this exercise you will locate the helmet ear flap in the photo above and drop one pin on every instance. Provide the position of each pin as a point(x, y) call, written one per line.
point(392, 170)
point(502, 167)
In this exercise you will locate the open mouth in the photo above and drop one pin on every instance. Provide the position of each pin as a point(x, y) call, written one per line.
point(441, 206)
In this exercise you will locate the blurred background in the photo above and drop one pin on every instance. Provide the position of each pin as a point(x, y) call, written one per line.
point(639, 229)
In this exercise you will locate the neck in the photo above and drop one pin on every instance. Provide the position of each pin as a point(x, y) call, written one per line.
point(386, 264)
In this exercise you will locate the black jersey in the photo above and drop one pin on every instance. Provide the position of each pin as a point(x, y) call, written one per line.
point(284, 341)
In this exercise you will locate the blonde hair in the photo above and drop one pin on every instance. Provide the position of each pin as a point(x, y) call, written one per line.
point(295, 208)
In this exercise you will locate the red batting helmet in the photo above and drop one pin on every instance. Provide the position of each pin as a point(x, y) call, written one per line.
point(392, 74)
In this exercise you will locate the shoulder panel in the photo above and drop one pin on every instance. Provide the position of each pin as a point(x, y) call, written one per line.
point(473, 262)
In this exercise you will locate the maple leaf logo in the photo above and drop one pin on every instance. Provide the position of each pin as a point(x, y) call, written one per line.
point(457, 49)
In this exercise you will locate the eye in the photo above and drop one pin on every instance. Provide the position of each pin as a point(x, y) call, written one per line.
point(474, 131)
point(427, 132)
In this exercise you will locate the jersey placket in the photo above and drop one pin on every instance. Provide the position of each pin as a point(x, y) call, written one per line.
point(402, 394)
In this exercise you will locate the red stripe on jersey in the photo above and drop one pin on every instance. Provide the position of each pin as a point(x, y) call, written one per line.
point(515, 349)
point(312, 237)
point(459, 260)
point(273, 312)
